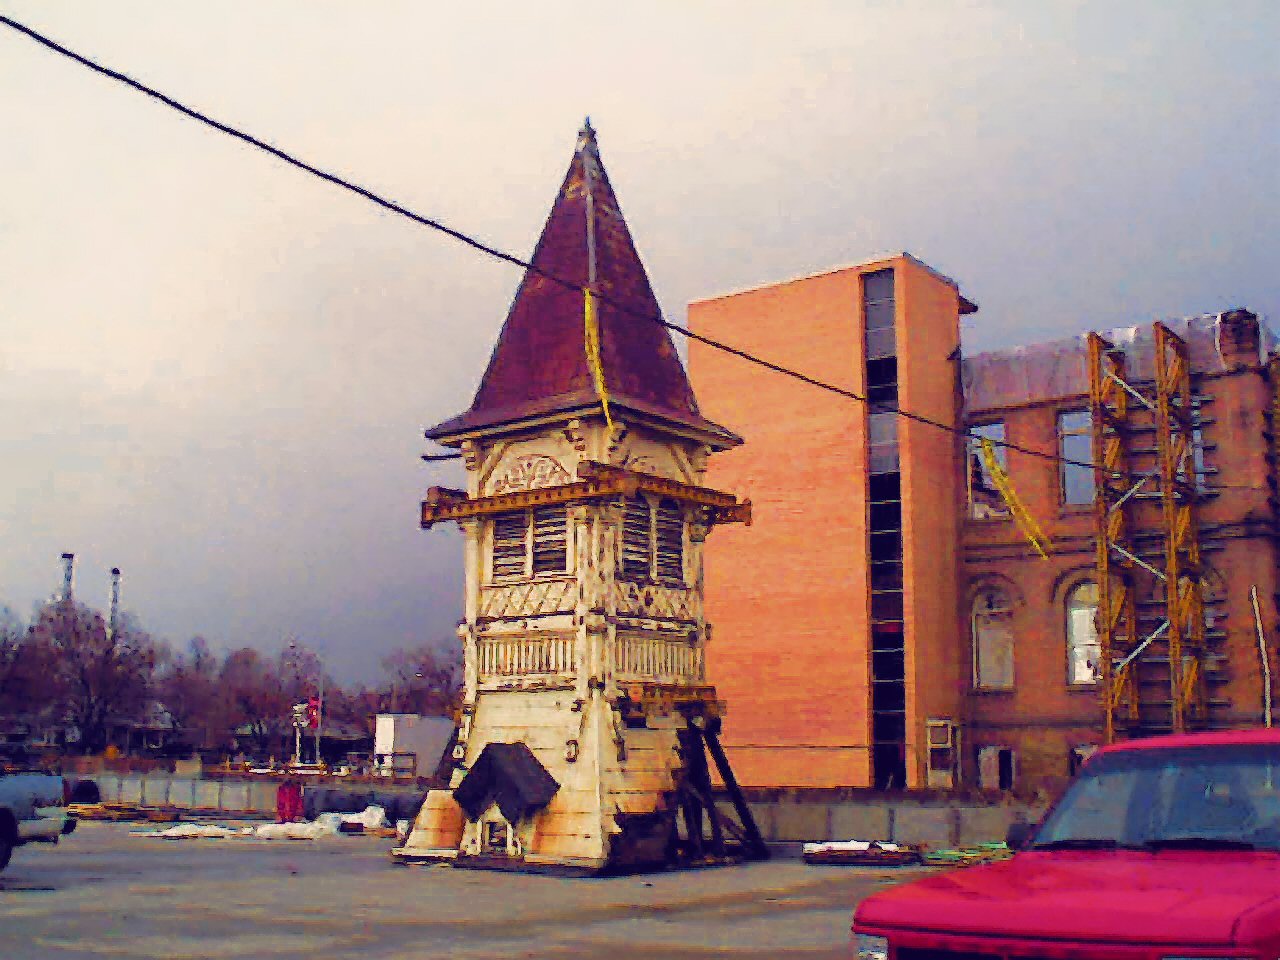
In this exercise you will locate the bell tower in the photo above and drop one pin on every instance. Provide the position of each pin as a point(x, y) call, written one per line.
point(587, 721)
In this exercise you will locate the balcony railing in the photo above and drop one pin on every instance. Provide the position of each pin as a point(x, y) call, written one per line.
point(525, 656)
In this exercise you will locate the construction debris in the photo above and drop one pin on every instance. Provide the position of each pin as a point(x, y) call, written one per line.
point(871, 853)
point(967, 856)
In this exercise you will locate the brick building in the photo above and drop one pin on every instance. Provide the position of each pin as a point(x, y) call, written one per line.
point(886, 622)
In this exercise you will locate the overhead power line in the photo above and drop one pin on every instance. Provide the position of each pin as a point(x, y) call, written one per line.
point(502, 255)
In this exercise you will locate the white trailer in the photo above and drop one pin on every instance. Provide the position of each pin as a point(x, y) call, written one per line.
point(408, 744)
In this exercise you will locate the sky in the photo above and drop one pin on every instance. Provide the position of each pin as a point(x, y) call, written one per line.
point(215, 370)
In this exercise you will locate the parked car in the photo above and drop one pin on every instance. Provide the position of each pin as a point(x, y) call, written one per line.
point(1161, 849)
point(32, 810)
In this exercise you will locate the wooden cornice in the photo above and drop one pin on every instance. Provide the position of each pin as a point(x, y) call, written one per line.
point(596, 481)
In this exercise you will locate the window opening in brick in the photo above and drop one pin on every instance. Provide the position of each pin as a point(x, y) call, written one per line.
point(985, 502)
point(882, 382)
point(992, 632)
point(884, 540)
point(1006, 768)
point(669, 542)
point(997, 768)
point(940, 736)
point(1075, 442)
point(637, 538)
point(882, 442)
point(1084, 653)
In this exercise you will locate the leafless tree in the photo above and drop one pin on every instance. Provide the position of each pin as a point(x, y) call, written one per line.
point(99, 676)
point(421, 680)
point(188, 687)
point(254, 696)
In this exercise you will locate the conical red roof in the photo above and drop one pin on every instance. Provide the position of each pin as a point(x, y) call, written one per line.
point(539, 364)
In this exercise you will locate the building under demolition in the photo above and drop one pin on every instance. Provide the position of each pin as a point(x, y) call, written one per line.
point(915, 608)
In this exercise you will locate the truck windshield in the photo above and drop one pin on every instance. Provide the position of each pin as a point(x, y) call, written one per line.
point(1221, 797)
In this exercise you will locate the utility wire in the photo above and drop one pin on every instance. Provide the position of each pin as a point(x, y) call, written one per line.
point(502, 255)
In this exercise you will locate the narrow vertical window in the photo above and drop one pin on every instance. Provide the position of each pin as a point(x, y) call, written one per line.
point(1083, 650)
point(550, 539)
point(1075, 443)
point(985, 502)
point(882, 442)
point(669, 542)
point(992, 628)
point(637, 538)
point(510, 544)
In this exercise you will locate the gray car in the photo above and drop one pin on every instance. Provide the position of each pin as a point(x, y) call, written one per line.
point(32, 810)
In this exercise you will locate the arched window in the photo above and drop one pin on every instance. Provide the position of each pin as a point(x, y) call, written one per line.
point(992, 632)
point(1083, 650)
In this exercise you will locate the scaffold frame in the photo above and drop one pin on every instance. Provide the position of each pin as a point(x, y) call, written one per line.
point(1117, 402)
point(1109, 401)
point(1179, 490)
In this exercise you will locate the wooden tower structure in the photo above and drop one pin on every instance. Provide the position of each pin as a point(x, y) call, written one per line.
point(587, 722)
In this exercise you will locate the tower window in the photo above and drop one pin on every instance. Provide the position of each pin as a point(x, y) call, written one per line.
point(530, 542)
point(652, 540)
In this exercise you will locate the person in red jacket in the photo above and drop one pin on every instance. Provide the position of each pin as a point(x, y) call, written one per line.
point(289, 801)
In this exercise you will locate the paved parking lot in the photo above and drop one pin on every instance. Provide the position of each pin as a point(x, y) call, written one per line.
point(101, 893)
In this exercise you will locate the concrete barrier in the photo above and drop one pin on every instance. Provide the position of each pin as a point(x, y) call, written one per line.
point(182, 794)
point(155, 791)
point(131, 790)
point(235, 796)
point(861, 822)
point(108, 787)
point(208, 794)
point(931, 827)
point(984, 824)
point(262, 797)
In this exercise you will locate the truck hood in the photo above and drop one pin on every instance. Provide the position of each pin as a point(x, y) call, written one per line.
point(1173, 897)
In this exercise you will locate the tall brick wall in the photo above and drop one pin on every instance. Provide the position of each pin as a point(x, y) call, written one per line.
point(932, 495)
point(788, 597)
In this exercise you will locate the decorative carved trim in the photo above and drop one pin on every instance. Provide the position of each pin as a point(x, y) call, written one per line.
point(598, 481)
point(617, 434)
point(646, 465)
point(576, 436)
point(533, 472)
point(698, 459)
point(470, 454)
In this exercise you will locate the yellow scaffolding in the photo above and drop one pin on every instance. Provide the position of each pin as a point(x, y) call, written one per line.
point(1133, 695)
point(1179, 493)
point(1117, 616)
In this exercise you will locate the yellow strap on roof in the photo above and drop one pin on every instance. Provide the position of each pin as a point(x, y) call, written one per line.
point(591, 336)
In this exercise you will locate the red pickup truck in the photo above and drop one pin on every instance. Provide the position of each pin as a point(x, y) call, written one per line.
point(1161, 849)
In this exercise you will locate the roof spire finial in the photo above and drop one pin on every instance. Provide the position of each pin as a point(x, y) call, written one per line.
point(586, 136)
